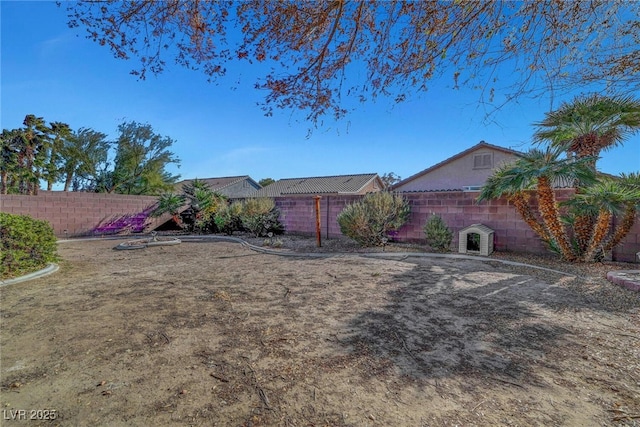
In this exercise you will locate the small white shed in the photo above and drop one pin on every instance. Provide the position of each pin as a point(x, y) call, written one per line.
point(476, 239)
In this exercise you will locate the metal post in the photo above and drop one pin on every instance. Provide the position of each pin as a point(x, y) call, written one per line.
point(318, 232)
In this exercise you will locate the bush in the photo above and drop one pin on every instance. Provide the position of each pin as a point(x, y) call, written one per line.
point(227, 218)
point(26, 245)
point(205, 217)
point(260, 216)
point(369, 220)
point(438, 235)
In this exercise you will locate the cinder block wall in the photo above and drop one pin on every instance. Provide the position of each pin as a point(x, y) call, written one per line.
point(458, 209)
point(80, 213)
point(77, 213)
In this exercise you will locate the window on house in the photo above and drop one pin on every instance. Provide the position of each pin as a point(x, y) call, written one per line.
point(483, 161)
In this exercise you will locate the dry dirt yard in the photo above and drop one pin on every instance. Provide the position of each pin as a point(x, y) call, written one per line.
point(214, 334)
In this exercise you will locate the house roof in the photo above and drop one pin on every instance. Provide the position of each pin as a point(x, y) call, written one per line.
point(338, 184)
point(478, 146)
point(216, 184)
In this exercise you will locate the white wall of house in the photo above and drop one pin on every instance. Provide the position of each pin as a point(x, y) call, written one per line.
point(471, 169)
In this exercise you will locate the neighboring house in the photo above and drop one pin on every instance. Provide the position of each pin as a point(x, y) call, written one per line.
point(234, 187)
point(467, 171)
point(323, 185)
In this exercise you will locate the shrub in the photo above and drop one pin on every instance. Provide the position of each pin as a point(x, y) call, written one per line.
point(227, 218)
point(26, 245)
point(438, 235)
point(260, 216)
point(369, 220)
point(205, 217)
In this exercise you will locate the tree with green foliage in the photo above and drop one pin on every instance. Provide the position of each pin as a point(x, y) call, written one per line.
point(630, 181)
point(590, 124)
point(204, 203)
point(60, 135)
point(586, 126)
point(602, 201)
point(539, 170)
point(34, 143)
point(82, 154)
point(390, 179)
point(140, 162)
point(170, 203)
point(10, 142)
point(266, 181)
point(316, 51)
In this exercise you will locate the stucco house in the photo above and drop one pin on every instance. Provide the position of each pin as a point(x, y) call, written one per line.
point(323, 185)
point(466, 171)
point(234, 187)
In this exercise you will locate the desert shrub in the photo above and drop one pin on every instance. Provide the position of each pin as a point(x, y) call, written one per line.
point(227, 218)
point(26, 245)
point(369, 220)
point(260, 216)
point(205, 217)
point(438, 235)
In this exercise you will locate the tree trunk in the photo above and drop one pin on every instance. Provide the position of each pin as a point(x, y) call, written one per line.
point(583, 228)
point(3, 182)
point(600, 232)
point(628, 219)
point(551, 217)
point(521, 202)
point(67, 182)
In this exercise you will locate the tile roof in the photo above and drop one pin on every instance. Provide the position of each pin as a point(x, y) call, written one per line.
point(216, 184)
point(338, 184)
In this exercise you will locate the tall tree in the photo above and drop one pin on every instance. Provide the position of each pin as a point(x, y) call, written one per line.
point(541, 169)
point(10, 143)
point(140, 161)
point(590, 124)
point(61, 133)
point(33, 153)
point(316, 50)
point(602, 201)
point(82, 154)
point(586, 126)
point(630, 182)
point(390, 179)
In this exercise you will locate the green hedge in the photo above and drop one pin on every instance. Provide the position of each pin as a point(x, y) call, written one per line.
point(26, 245)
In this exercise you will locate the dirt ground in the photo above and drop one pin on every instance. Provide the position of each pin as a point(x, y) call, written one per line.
point(215, 334)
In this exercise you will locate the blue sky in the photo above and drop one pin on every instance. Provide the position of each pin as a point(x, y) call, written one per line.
point(54, 72)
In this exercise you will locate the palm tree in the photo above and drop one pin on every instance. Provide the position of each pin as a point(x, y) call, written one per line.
point(630, 182)
point(540, 170)
point(35, 142)
point(603, 200)
point(504, 183)
point(170, 203)
point(585, 127)
point(590, 124)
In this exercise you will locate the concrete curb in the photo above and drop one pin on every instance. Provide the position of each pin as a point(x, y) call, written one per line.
point(50, 269)
point(621, 278)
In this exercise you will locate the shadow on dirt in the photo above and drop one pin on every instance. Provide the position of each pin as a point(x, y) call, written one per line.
point(443, 322)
